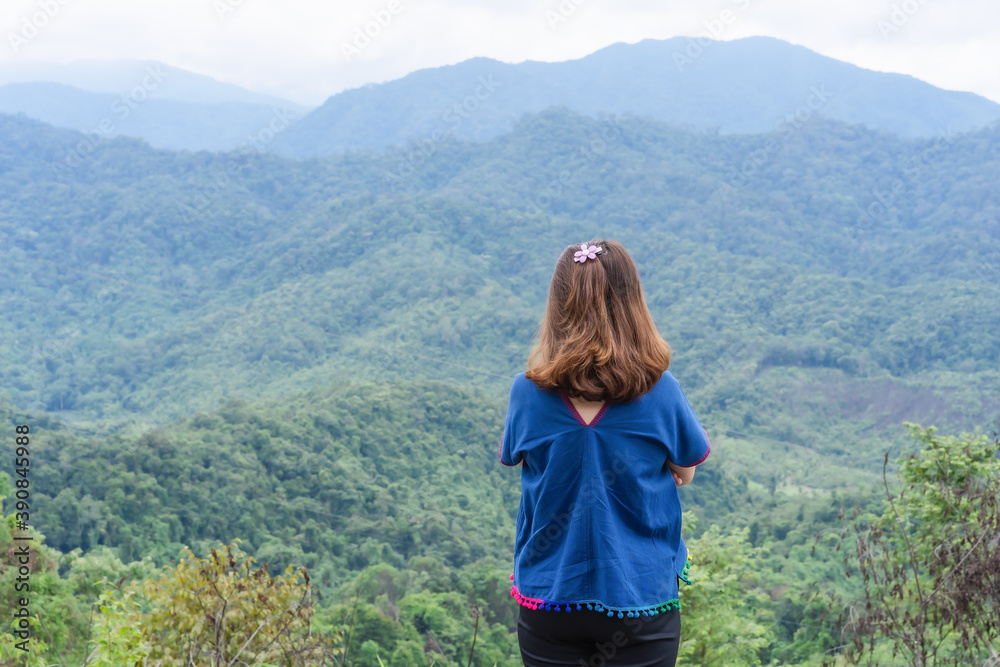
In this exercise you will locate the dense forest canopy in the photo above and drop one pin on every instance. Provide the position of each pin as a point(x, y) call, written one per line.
point(313, 356)
point(169, 283)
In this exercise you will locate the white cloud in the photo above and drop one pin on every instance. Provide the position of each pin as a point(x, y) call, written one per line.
point(293, 48)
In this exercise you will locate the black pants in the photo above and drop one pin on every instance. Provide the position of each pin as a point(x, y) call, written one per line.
point(593, 639)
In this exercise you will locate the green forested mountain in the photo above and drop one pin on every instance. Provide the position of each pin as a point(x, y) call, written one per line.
point(747, 85)
point(164, 292)
point(314, 355)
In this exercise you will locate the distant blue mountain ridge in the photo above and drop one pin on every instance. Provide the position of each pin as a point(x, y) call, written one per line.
point(748, 85)
point(163, 123)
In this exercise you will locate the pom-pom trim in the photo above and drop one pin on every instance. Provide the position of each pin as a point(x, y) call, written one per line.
point(593, 605)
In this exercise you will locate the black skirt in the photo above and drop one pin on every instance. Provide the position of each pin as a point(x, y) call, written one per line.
point(594, 639)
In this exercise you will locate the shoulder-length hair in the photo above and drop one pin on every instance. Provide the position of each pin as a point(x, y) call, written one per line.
point(597, 340)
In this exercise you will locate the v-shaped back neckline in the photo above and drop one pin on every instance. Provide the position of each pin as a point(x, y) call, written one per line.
point(576, 413)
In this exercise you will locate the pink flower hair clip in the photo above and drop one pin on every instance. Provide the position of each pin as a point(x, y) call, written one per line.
point(587, 252)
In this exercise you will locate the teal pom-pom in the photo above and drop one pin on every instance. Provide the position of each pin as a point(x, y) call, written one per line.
point(591, 607)
point(619, 614)
point(611, 613)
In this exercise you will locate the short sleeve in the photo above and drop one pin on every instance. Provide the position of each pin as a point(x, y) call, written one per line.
point(691, 445)
point(507, 437)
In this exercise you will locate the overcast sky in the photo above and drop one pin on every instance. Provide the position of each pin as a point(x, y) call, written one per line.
point(296, 48)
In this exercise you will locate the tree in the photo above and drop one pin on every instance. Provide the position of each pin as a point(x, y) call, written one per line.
point(720, 608)
point(221, 611)
point(930, 563)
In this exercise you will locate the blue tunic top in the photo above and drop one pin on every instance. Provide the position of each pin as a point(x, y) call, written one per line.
point(599, 525)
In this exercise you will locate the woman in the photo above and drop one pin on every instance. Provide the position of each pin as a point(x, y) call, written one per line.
point(604, 436)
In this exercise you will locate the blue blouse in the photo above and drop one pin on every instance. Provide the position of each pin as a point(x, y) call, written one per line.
point(599, 525)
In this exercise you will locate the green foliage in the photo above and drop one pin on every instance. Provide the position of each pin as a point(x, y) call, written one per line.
point(15, 652)
point(315, 361)
point(58, 618)
point(421, 619)
point(788, 321)
point(359, 473)
point(929, 562)
point(720, 609)
point(217, 610)
point(417, 546)
point(119, 637)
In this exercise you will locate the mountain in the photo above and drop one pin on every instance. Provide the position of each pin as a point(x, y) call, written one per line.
point(313, 356)
point(847, 285)
point(159, 80)
point(167, 106)
point(741, 86)
point(164, 123)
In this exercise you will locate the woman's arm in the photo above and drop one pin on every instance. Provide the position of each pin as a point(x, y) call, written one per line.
point(681, 475)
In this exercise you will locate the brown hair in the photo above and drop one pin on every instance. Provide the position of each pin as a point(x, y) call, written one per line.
point(597, 339)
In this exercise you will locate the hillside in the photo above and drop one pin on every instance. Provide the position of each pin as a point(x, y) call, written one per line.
point(788, 323)
point(748, 85)
point(313, 356)
point(384, 472)
point(392, 490)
